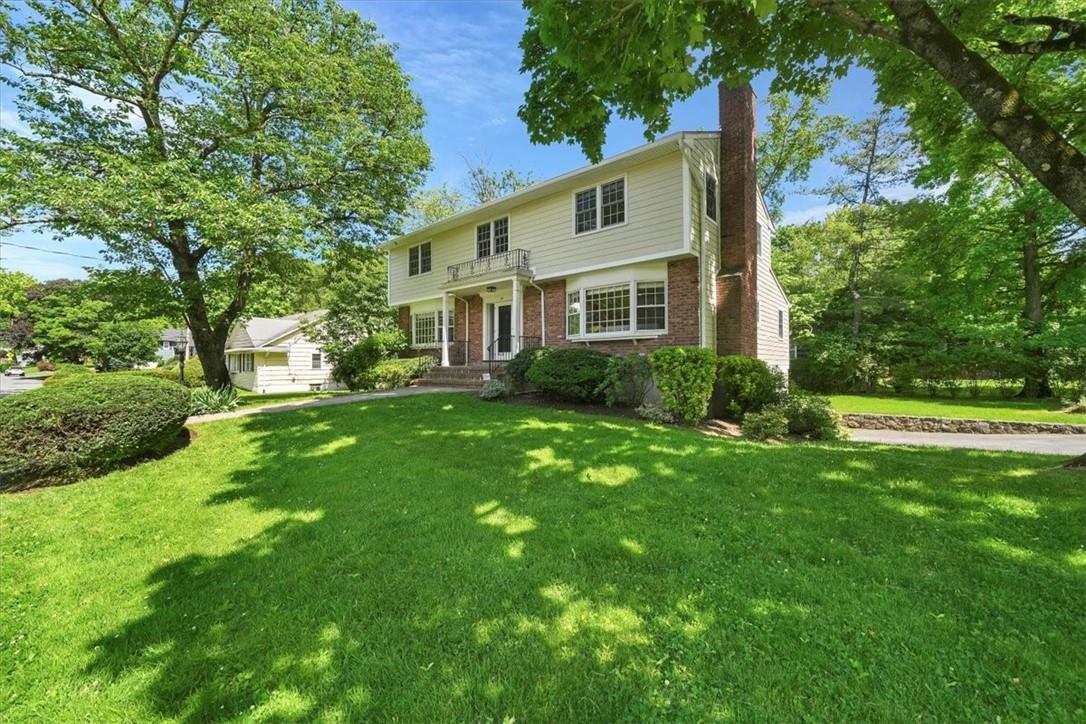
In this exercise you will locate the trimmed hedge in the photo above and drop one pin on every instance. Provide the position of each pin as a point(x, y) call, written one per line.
point(745, 384)
point(685, 378)
point(392, 373)
point(570, 373)
point(517, 369)
point(61, 433)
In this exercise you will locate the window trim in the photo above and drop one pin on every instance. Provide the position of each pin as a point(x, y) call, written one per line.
point(235, 365)
point(632, 332)
point(599, 206)
point(316, 360)
point(716, 197)
point(419, 246)
point(438, 333)
point(508, 232)
point(780, 323)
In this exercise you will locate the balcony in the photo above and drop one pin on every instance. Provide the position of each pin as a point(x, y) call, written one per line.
point(513, 261)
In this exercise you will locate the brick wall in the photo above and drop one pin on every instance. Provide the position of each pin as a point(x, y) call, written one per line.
point(475, 317)
point(737, 287)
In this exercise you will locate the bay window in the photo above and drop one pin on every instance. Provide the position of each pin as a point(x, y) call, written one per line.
point(626, 308)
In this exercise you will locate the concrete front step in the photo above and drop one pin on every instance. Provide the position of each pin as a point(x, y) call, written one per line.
point(470, 376)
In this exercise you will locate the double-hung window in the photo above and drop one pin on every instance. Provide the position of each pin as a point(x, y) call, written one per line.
point(492, 237)
point(316, 360)
point(710, 195)
point(427, 331)
point(599, 207)
point(242, 362)
point(418, 259)
point(630, 307)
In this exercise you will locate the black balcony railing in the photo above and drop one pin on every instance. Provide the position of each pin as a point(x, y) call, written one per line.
point(513, 260)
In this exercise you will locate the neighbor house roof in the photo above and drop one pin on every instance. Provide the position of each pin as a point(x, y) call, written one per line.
point(572, 178)
point(257, 333)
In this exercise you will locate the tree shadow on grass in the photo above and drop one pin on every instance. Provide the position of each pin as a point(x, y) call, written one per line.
point(440, 558)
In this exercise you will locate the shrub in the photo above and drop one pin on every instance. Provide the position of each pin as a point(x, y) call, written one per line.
point(206, 400)
point(745, 384)
point(810, 416)
point(1078, 407)
point(572, 373)
point(66, 371)
point(493, 390)
point(655, 412)
point(85, 426)
point(517, 369)
point(685, 378)
point(626, 381)
point(768, 423)
point(194, 373)
point(355, 366)
point(46, 366)
point(392, 373)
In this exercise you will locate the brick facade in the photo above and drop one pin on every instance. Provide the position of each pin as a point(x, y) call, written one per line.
point(737, 285)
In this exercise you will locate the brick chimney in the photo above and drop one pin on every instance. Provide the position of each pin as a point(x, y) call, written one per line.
point(737, 281)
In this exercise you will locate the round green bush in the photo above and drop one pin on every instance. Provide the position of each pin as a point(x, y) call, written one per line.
point(194, 372)
point(745, 384)
point(810, 416)
point(768, 423)
point(517, 369)
point(571, 373)
point(684, 376)
point(62, 433)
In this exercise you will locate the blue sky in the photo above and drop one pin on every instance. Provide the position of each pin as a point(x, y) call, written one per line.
point(464, 60)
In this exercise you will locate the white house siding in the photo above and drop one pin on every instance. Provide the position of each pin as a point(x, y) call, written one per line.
point(705, 232)
point(544, 226)
point(773, 348)
point(243, 380)
point(291, 371)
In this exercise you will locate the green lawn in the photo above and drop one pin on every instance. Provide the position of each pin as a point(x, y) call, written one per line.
point(438, 558)
point(247, 398)
point(1007, 410)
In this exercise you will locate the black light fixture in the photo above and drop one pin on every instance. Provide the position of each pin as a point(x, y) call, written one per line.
point(491, 289)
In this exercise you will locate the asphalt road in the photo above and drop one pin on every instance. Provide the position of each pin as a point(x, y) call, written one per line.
point(1047, 444)
point(11, 385)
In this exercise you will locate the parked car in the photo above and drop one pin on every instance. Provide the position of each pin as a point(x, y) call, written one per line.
point(15, 372)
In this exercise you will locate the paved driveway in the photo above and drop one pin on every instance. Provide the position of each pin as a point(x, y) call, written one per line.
point(1047, 444)
point(11, 385)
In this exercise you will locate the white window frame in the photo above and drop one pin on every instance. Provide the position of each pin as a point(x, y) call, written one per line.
point(439, 330)
point(420, 272)
point(780, 323)
point(758, 238)
point(316, 360)
point(599, 207)
point(716, 197)
point(632, 331)
point(508, 232)
point(240, 362)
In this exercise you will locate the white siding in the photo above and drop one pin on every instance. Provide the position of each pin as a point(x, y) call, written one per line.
point(653, 228)
point(705, 232)
point(773, 348)
point(290, 371)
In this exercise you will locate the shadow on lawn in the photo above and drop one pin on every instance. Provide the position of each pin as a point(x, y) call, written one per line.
point(435, 558)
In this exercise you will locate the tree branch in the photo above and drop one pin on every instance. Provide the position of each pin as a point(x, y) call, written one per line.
point(857, 21)
point(1065, 35)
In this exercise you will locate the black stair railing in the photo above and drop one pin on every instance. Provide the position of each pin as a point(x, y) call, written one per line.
point(501, 348)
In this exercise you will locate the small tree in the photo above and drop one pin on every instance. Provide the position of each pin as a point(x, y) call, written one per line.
point(124, 345)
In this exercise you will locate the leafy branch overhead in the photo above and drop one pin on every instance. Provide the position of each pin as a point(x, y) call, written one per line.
point(590, 61)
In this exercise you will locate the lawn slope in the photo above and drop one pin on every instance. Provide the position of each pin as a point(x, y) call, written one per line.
point(963, 408)
point(440, 558)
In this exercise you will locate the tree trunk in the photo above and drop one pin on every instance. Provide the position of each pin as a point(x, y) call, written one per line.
point(1052, 160)
point(209, 340)
point(1036, 377)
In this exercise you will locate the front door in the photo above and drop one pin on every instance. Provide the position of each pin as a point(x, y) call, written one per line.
point(503, 324)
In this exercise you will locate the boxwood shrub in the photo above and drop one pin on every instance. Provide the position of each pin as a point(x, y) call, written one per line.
point(62, 433)
point(745, 384)
point(684, 376)
point(570, 373)
point(517, 369)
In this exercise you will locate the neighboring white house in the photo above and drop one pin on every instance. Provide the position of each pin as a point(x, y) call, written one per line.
point(276, 355)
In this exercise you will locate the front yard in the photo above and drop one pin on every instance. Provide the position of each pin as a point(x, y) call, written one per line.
point(963, 407)
point(441, 558)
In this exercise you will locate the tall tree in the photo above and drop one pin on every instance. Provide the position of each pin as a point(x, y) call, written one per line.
point(797, 134)
point(486, 184)
point(877, 157)
point(433, 205)
point(589, 60)
point(221, 140)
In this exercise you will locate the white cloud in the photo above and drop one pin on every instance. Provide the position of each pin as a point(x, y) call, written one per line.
point(811, 213)
point(10, 121)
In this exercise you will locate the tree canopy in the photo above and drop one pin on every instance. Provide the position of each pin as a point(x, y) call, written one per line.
point(213, 143)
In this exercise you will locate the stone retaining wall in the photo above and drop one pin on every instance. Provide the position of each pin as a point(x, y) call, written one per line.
point(870, 421)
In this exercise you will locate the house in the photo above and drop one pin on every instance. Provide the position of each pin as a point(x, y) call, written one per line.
point(278, 355)
point(172, 340)
point(669, 243)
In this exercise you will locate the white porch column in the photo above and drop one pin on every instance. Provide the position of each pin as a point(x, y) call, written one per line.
point(444, 327)
point(515, 326)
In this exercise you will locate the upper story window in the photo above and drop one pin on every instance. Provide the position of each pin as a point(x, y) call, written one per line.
point(599, 207)
point(710, 196)
point(780, 323)
point(492, 237)
point(617, 308)
point(316, 357)
point(418, 259)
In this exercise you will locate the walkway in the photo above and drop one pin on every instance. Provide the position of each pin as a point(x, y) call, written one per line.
point(1048, 444)
point(337, 400)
